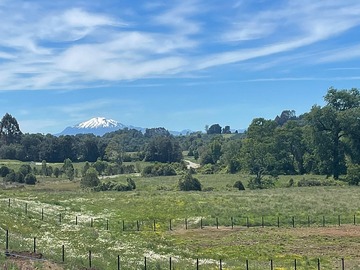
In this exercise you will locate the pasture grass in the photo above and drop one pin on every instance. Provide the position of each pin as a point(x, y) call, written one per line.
point(82, 221)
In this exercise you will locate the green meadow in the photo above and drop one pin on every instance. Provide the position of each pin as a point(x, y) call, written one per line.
point(159, 222)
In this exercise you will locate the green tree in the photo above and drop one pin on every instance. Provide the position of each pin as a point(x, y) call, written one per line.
point(9, 130)
point(214, 129)
point(330, 130)
point(163, 149)
point(68, 169)
point(90, 179)
point(114, 152)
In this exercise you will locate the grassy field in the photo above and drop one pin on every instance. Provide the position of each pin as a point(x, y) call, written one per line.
point(281, 224)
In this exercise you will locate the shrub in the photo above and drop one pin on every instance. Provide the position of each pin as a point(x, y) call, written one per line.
point(30, 179)
point(353, 174)
point(239, 185)
point(188, 182)
point(263, 183)
point(112, 186)
point(90, 179)
point(4, 171)
point(158, 170)
point(316, 183)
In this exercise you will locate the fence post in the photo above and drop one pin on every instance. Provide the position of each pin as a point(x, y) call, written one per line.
point(262, 221)
point(42, 213)
point(34, 244)
point(90, 258)
point(186, 224)
point(25, 208)
point(271, 265)
point(170, 263)
point(201, 224)
point(220, 264)
point(354, 219)
point(247, 222)
point(323, 221)
point(7, 242)
point(295, 264)
point(107, 224)
point(118, 262)
point(232, 223)
point(247, 264)
point(9, 202)
point(63, 253)
point(145, 263)
point(76, 220)
point(60, 218)
point(123, 225)
point(319, 264)
point(278, 222)
point(308, 221)
point(293, 222)
point(91, 222)
point(197, 264)
point(339, 219)
point(154, 225)
point(217, 223)
point(170, 229)
point(137, 226)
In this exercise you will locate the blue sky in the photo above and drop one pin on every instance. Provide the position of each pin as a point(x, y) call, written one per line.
point(177, 64)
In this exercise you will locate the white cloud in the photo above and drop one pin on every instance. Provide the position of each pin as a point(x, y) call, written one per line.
point(72, 47)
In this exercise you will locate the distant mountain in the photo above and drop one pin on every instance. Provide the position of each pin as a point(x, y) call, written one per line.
point(100, 125)
point(97, 126)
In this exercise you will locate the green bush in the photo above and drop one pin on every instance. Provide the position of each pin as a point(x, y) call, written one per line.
point(239, 185)
point(158, 169)
point(264, 183)
point(30, 179)
point(188, 182)
point(90, 179)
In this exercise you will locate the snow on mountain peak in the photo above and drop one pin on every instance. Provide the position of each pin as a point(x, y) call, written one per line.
point(99, 122)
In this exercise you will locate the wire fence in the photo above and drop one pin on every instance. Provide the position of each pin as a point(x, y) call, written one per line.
point(59, 216)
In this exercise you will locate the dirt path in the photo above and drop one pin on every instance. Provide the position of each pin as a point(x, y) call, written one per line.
point(191, 164)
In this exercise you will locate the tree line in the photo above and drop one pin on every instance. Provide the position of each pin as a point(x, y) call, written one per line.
point(325, 140)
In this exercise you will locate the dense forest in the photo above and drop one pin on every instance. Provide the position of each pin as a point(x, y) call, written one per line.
point(325, 140)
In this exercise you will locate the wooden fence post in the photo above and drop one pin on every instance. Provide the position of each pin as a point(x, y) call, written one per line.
point(42, 213)
point(247, 264)
point(271, 265)
point(186, 224)
point(217, 223)
point(278, 222)
point(262, 221)
point(34, 244)
point(342, 264)
point(145, 263)
point(76, 220)
point(63, 253)
point(90, 259)
point(247, 222)
point(137, 226)
point(323, 221)
point(118, 262)
point(7, 241)
point(220, 264)
point(170, 228)
point(197, 264)
point(319, 264)
point(295, 264)
point(154, 225)
point(339, 220)
point(107, 224)
point(9, 202)
point(26, 206)
point(170, 263)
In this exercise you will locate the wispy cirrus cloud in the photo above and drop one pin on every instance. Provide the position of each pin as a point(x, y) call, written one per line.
point(71, 46)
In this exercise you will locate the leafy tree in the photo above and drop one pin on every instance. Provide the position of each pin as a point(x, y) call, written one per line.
point(4, 171)
point(68, 169)
point(187, 183)
point(90, 179)
point(155, 132)
point(43, 167)
point(226, 130)
point(25, 169)
point(353, 174)
point(114, 152)
point(163, 149)
point(329, 126)
point(285, 116)
point(214, 129)
point(57, 172)
point(85, 168)
point(258, 149)
point(9, 130)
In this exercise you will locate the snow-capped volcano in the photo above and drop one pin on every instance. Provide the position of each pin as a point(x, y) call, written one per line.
point(99, 122)
point(97, 125)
